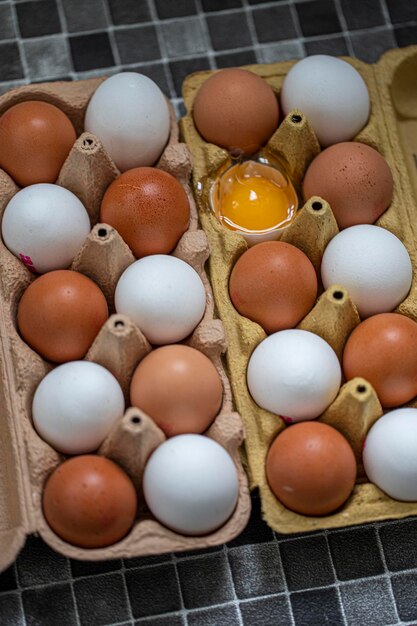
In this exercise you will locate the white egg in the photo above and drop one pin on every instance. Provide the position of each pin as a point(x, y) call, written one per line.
point(129, 114)
point(390, 454)
point(332, 95)
point(76, 405)
point(295, 374)
point(45, 225)
point(372, 264)
point(191, 484)
point(163, 296)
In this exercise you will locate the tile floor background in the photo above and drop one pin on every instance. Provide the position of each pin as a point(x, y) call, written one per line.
point(361, 576)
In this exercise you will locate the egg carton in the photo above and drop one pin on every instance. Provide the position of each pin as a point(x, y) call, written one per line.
point(392, 130)
point(25, 459)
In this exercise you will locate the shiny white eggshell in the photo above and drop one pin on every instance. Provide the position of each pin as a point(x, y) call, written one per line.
point(191, 484)
point(390, 454)
point(129, 114)
point(45, 225)
point(295, 374)
point(163, 296)
point(331, 93)
point(372, 264)
point(76, 405)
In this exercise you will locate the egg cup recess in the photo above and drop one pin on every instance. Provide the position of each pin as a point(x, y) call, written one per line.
point(334, 316)
point(26, 458)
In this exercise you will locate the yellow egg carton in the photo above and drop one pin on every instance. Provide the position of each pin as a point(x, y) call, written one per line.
point(25, 459)
point(392, 130)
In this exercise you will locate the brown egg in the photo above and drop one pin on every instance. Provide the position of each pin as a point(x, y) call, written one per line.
point(311, 468)
point(237, 110)
point(60, 314)
point(149, 208)
point(179, 388)
point(273, 284)
point(90, 501)
point(35, 139)
point(354, 179)
point(383, 350)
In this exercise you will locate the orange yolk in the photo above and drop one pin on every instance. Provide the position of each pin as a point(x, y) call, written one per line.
point(252, 196)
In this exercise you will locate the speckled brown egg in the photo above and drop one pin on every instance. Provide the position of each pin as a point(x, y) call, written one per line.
point(311, 468)
point(237, 110)
point(149, 208)
point(383, 350)
point(273, 284)
point(35, 139)
point(179, 388)
point(354, 179)
point(89, 501)
point(60, 314)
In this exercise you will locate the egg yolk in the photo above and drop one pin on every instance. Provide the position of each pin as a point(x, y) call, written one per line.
point(253, 196)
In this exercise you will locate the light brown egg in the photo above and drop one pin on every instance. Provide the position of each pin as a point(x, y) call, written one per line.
point(354, 179)
point(60, 314)
point(179, 388)
point(311, 468)
point(237, 110)
point(89, 501)
point(273, 284)
point(35, 139)
point(149, 208)
point(383, 350)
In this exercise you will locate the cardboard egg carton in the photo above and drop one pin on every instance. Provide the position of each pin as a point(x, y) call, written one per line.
point(25, 459)
point(392, 130)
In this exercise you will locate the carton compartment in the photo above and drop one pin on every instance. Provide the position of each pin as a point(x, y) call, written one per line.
point(334, 315)
point(25, 459)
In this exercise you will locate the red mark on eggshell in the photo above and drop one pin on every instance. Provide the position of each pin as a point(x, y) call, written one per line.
point(287, 420)
point(27, 261)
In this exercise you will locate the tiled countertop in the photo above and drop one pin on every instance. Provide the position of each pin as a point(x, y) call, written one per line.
point(364, 575)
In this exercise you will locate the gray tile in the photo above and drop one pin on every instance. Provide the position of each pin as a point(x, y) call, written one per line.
point(399, 544)
point(272, 611)
point(365, 600)
point(218, 615)
point(38, 564)
point(335, 46)
point(369, 46)
point(347, 549)
point(306, 562)
point(11, 613)
point(81, 15)
point(205, 581)
point(317, 607)
point(281, 51)
point(47, 58)
point(10, 62)
point(107, 594)
point(404, 587)
point(274, 23)
point(183, 37)
point(256, 570)
point(7, 30)
point(364, 14)
point(137, 45)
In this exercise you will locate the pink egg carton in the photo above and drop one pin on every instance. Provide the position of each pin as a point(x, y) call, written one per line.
point(25, 459)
